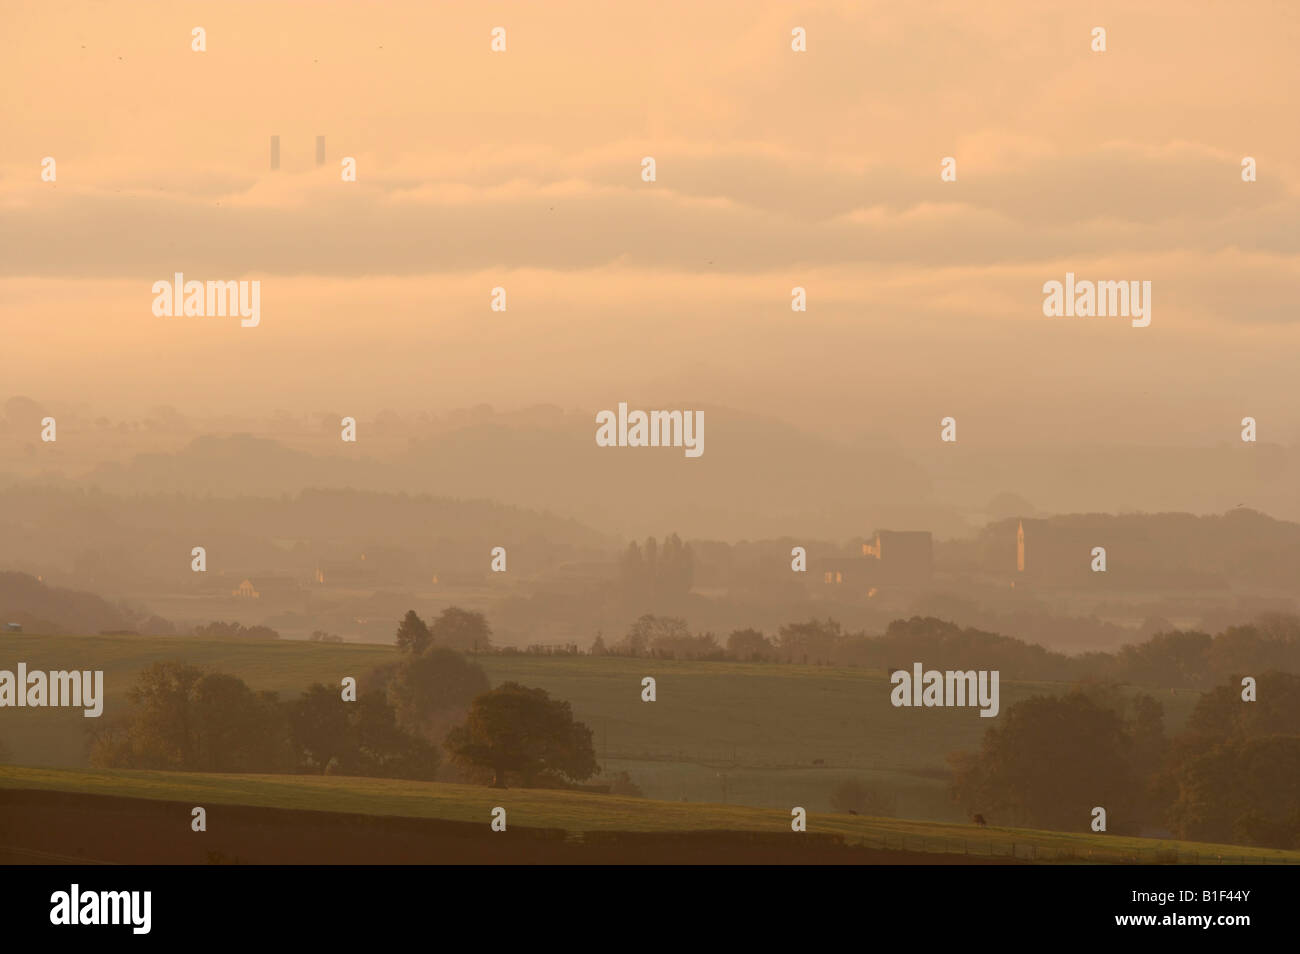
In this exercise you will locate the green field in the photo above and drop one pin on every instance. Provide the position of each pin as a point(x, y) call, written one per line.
point(740, 733)
point(581, 812)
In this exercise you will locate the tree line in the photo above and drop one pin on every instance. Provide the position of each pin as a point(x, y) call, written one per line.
point(1174, 659)
point(397, 721)
point(652, 570)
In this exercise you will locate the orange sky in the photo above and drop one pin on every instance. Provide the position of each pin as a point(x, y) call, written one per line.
point(775, 169)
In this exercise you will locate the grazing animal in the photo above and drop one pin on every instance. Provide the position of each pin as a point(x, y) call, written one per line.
point(819, 761)
point(852, 812)
point(979, 820)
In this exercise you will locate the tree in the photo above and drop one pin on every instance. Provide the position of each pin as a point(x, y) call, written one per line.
point(749, 644)
point(108, 744)
point(1166, 659)
point(650, 631)
point(384, 750)
point(1220, 715)
point(184, 718)
point(235, 728)
point(1243, 791)
point(676, 567)
point(658, 571)
point(219, 630)
point(517, 731)
point(356, 738)
point(465, 630)
point(814, 641)
point(412, 634)
point(651, 571)
point(632, 571)
point(1272, 642)
point(318, 726)
point(1232, 773)
point(1147, 731)
point(432, 691)
point(1052, 759)
point(623, 784)
point(703, 646)
point(162, 724)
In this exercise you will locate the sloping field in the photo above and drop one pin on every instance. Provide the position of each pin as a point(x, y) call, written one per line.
point(583, 812)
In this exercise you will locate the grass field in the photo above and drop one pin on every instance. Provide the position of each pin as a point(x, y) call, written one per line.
point(744, 733)
point(581, 812)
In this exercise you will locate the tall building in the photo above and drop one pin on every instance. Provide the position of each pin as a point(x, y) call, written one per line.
point(1020, 547)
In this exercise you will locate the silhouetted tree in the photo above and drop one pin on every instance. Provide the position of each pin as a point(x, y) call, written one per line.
point(749, 644)
point(432, 691)
point(356, 738)
point(1166, 659)
point(184, 718)
point(1232, 772)
point(412, 634)
point(465, 630)
point(657, 571)
point(622, 784)
point(162, 728)
point(219, 630)
point(632, 571)
point(1243, 791)
point(235, 728)
point(1049, 762)
point(814, 641)
point(650, 631)
point(384, 749)
point(515, 730)
point(318, 725)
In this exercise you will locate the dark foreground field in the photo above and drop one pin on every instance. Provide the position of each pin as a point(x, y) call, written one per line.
point(44, 827)
point(433, 818)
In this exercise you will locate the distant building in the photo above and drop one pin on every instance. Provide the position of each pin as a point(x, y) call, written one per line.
point(273, 592)
point(1062, 550)
point(891, 558)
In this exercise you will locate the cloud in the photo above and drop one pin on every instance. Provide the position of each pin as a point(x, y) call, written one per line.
point(719, 209)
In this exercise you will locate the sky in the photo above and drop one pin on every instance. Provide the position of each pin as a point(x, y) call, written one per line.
point(774, 169)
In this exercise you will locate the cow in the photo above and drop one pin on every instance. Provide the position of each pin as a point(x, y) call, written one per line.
point(979, 820)
point(819, 761)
